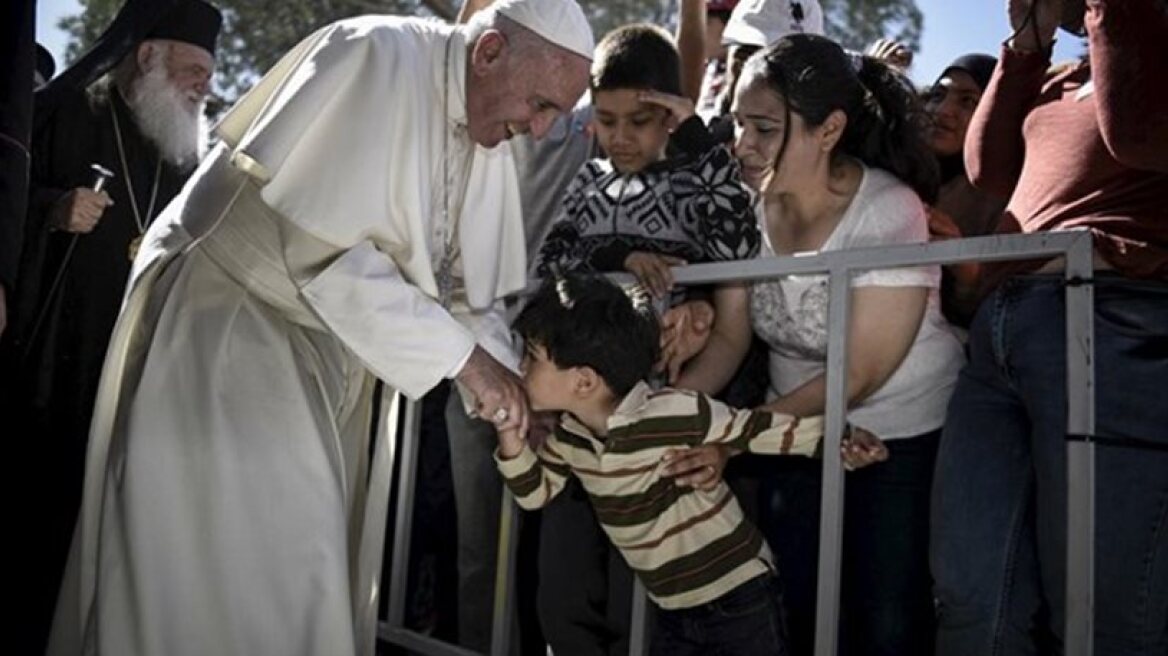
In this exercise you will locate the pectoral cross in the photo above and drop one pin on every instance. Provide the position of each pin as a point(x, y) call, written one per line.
point(134, 246)
point(444, 277)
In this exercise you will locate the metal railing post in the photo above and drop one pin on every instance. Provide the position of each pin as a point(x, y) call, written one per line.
point(404, 514)
point(503, 609)
point(394, 630)
point(831, 509)
point(639, 621)
point(1080, 586)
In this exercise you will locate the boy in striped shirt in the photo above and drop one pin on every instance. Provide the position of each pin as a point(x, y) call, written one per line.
point(589, 348)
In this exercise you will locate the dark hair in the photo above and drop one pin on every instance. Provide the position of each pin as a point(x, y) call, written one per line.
point(735, 60)
point(885, 126)
point(589, 321)
point(636, 57)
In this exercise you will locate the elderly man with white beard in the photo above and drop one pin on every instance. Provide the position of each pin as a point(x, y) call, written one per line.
point(142, 124)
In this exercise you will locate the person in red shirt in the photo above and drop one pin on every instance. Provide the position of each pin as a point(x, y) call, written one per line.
point(1084, 146)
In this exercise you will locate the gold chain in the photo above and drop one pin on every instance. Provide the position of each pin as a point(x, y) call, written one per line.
point(450, 248)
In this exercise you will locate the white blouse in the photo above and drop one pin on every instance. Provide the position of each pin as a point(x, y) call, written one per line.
point(790, 315)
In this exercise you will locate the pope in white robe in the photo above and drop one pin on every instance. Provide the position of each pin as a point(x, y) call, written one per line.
point(230, 503)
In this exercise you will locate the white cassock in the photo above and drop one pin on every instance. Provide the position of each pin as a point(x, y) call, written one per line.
point(226, 507)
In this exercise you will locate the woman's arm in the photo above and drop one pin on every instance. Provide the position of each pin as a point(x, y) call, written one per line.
point(884, 324)
point(994, 148)
point(1129, 63)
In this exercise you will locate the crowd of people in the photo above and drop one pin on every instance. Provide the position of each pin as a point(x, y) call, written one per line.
point(204, 330)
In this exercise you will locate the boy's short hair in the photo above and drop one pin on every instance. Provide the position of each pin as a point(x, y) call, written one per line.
point(584, 320)
point(640, 56)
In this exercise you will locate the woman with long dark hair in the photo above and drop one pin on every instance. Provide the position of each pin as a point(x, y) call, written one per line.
point(833, 144)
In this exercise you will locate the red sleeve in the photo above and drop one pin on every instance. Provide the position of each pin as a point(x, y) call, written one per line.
point(994, 147)
point(1129, 65)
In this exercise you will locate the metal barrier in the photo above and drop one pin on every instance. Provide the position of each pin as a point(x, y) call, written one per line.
point(1075, 246)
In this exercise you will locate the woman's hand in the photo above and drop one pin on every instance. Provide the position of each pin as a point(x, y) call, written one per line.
point(861, 449)
point(1033, 33)
point(943, 227)
point(891, 52)
point(698, 467)
point(685, 330)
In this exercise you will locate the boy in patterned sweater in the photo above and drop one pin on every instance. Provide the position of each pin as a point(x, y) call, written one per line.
point(588, 349)
point(638, 210)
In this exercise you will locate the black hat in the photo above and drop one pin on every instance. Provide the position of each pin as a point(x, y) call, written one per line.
point(190, 21)
point(980, 67)
point(45, 64)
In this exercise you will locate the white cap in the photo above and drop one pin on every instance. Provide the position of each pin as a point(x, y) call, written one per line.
point(561, 22)
point(762, 22)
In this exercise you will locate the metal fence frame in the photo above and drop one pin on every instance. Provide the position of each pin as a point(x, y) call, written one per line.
point(1074, 246)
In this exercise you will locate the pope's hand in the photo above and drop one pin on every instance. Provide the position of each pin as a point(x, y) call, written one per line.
point(498, 392)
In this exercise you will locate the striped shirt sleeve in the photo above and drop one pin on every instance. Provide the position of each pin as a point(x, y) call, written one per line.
point(759, 431)
point(534, 477)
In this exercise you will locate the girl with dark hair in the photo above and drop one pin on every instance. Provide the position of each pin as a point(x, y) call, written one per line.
point(961, 209)
point(833, 144)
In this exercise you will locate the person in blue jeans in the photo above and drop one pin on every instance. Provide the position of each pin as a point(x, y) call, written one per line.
point(1081, 147)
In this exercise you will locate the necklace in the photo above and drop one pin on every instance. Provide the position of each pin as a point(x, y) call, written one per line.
point(139, 219)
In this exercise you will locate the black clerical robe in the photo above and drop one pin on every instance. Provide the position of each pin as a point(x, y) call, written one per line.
point(68, 293)
point(71, 285)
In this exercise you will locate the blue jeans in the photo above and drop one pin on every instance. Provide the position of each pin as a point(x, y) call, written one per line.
point(747, 621)
point(999, 500)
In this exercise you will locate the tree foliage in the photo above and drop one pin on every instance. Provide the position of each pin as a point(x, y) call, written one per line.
point(257, 32)
point(857, 23)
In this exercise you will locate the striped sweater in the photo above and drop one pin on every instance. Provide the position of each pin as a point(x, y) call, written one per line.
point(687, 546)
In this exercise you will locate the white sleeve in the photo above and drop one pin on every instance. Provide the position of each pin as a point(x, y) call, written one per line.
point(493, 333)
point(892, 215)
point(399, 333)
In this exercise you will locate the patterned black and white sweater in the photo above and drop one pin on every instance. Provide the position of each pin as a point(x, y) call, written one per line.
point(693, 206)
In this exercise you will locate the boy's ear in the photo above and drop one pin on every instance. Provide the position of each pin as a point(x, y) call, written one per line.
point(587, 382)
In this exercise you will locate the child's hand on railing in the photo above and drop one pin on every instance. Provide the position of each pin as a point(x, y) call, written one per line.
point(652, 271)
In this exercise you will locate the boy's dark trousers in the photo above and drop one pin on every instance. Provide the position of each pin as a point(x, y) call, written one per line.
point(747, 621)
point(585, 587)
